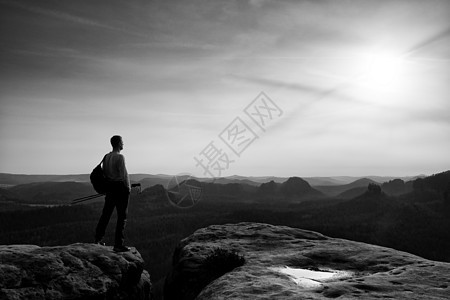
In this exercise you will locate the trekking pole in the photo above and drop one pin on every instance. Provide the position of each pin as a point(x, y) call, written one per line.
point(82, 199)
point(86, 198)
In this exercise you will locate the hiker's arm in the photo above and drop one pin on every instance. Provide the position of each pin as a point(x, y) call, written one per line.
point(124, 173)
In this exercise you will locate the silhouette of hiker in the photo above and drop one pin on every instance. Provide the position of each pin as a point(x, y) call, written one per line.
point(117, 195)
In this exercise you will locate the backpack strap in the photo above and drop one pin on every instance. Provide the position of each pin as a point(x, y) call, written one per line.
point(102, 159)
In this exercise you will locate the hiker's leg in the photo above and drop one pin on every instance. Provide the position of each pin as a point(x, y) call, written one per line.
point(122, 211)
point(108, 209)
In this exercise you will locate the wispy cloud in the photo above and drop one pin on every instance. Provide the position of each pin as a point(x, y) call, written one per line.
point(64, 16)
point(258, 3)
point(429, 41)
point(318, 92)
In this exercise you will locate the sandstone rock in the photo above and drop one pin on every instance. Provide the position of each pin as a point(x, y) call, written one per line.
point(367, 271)
point(78, 271)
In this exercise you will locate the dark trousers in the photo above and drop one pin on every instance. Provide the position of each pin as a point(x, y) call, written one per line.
point(116, 197)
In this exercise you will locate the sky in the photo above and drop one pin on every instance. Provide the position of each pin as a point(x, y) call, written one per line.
point(217, 88)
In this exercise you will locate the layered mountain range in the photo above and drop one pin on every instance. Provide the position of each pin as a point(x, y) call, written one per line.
point(59, 189)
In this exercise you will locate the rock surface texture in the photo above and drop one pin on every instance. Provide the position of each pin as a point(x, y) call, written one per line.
point(372, 272)
point(78, 271)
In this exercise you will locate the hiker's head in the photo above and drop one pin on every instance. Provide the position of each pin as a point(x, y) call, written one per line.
point(116, 142)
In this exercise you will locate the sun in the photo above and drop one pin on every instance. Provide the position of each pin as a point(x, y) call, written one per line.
point(381, 70)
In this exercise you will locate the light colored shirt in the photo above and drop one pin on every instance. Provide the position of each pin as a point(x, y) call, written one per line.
point(114, 168)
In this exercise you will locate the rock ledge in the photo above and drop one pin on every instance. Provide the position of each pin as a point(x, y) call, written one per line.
point(77, 271)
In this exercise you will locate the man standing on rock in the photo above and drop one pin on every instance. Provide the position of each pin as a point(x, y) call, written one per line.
point(117, 195)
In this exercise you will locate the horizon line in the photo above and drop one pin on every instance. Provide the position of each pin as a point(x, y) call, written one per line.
point(228, 176)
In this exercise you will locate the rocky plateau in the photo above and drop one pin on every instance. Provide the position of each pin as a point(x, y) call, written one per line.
point(286, 263)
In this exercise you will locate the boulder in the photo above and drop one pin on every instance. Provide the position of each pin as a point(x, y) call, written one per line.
point(287, 263)
point(77, 271)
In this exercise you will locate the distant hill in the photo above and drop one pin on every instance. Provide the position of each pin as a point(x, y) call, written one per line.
point(335, 190)
point(141, 177)
point(292, 188)
point(397, 187)
point(438, 182)
point(233, 186)
point(51, 192)
point(226, 180)
point(382, 179)
point(259, 179)
point(324, 180)
point(268, 189)
point(296, 186)
point(8, 195)
point(436, 186)
point(15, 179)
point(151, 181)
point(315, 181)
point(378, 179)
point(352, 193)
point(213, 190)
point(394, 187)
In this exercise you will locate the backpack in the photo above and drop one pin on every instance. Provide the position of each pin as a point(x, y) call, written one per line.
point(98, 178)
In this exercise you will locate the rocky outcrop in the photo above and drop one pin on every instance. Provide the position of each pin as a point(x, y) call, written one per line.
point(358, 270)
point(293, 188)
point(78, 271)
point(397, 187)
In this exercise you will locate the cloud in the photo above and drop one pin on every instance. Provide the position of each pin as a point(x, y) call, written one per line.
point(429, 41)
point(160, 68)
point(258, 3)
point(439, 117)
point(68, 17)
point(320, 92)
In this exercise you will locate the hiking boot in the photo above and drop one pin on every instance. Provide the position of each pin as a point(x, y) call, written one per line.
point(121, 249)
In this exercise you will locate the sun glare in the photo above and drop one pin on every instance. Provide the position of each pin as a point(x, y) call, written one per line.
point(381, 70)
